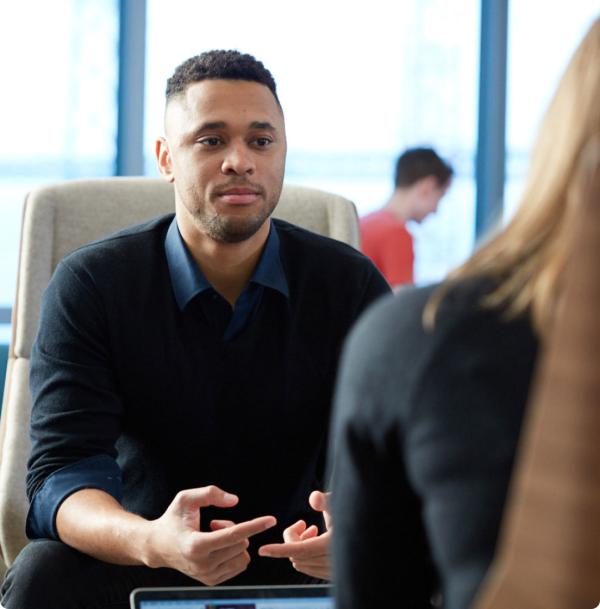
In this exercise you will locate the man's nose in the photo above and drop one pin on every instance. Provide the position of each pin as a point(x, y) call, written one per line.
point(238, 160)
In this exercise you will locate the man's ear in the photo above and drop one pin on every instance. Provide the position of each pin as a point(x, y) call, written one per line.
point(428, 184)
point(163, 159)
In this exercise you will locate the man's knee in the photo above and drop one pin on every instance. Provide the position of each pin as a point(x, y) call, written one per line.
point(44, 575)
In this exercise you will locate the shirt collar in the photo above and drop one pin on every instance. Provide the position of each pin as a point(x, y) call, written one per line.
point(188, 280)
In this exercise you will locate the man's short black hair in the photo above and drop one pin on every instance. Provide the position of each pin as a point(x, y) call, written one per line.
point(415, 164)
point(219, 65)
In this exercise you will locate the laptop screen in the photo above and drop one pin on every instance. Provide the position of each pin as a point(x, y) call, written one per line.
point(234, 597)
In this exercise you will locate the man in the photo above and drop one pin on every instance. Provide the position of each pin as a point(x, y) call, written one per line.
point(183, 371)
point(422, 179)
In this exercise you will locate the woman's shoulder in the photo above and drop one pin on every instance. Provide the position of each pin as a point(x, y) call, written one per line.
point(403, 313)
point(393, 343)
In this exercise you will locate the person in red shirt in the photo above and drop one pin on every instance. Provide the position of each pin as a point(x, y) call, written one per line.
point(422, 179)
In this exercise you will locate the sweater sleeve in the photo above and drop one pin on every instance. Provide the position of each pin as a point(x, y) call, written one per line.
point(76, 412)
point(379, 546)
point(373, 287)
point(377, 286)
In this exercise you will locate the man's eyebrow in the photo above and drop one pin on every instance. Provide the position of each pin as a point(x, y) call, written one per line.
point(211, 125)
point(262, 125)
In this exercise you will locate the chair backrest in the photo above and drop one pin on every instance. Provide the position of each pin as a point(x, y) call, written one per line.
point(56, 220)
point(549, 551)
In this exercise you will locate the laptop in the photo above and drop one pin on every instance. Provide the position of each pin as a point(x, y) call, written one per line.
point(234, 597)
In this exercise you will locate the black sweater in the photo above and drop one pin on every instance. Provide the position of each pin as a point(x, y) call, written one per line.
point(119, 371)
point(426, 426)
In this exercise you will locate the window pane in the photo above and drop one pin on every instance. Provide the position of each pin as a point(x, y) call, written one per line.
point(533, 74)
point(61, 106)
point(357, 86)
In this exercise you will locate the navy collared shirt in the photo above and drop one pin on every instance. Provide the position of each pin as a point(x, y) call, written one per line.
point(191, 286)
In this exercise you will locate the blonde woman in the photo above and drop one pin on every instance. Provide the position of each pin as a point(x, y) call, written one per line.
point(434, 383)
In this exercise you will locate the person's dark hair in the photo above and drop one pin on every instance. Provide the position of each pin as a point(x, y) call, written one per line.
point(415, 164)
point(219, 65)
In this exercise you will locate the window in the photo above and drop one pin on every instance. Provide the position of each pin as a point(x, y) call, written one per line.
point(59, 107)
point(358, 83)
point(537, 58)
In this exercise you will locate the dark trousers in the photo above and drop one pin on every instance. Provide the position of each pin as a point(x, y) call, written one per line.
point(51, 575)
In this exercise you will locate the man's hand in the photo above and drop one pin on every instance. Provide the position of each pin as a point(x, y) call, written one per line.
point(213, 557)
point(306, 549)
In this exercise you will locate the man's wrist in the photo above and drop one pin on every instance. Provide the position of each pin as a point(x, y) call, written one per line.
point(146, 533)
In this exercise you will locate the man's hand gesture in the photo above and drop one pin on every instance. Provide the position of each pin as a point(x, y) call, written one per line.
point(306, 549)
point(175, 540)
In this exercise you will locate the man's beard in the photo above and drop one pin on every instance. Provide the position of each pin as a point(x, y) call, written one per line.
point(225, 229)
point(231, 228)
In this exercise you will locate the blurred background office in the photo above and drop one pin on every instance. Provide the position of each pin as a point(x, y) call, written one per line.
point(83, 90)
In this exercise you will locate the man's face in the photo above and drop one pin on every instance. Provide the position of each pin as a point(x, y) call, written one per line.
point(430, 196)
point(225, 152)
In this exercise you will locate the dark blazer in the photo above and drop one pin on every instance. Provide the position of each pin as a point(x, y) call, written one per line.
point(425, 429)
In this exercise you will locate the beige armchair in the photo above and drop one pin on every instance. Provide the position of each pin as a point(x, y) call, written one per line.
point(56, 220)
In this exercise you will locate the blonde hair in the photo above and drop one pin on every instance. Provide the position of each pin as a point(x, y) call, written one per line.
point(529, 256)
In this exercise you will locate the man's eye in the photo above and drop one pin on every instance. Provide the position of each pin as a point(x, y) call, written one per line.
point(210, 141)
point(263, 142)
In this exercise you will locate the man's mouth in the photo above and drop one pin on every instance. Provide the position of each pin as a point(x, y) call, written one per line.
point(238, 195)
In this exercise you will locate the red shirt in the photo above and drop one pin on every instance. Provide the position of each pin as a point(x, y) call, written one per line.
point(385, 240)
